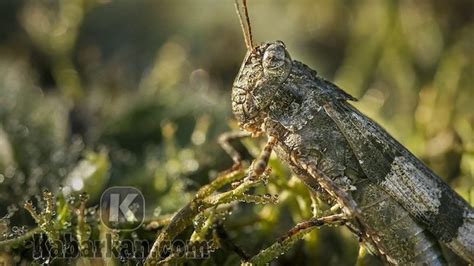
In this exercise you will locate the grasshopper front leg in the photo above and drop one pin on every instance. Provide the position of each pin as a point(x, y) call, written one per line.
point(224, 141)
point(260, 164)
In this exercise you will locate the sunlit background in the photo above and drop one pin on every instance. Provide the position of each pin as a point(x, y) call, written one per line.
point(97, 93)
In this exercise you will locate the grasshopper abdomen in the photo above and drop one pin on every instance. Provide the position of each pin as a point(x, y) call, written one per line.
point(398, 237)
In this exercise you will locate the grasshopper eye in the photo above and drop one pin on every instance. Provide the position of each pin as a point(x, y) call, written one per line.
point(276, 60)
point(273, 61)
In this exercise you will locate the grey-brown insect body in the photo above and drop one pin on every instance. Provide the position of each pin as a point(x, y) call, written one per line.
point(398, 236)
point(306, 114)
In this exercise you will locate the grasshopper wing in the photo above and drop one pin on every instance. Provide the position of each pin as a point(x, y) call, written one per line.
point(405, 178)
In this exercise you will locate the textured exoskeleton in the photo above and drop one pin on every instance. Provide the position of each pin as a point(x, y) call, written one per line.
point(407, 208)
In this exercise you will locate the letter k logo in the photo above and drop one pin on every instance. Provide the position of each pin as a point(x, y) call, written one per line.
point(122, 208)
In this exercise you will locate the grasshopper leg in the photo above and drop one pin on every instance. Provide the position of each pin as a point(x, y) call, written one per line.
point(286, 241)
point(335, 219)
point(260, 164)
point(224, 141)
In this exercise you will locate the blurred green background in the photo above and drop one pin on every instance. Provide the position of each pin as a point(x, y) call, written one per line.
point(97, 93)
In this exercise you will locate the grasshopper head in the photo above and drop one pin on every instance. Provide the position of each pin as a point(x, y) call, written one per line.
point(264, 69)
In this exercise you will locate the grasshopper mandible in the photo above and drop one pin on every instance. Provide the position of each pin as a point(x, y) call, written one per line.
point(402, 208)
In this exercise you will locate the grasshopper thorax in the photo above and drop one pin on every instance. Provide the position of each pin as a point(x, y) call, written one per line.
point(263, 71)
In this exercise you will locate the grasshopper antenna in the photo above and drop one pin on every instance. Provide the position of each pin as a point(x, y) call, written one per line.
point(245, 25)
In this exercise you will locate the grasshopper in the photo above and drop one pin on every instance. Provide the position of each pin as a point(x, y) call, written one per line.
point(403, 211)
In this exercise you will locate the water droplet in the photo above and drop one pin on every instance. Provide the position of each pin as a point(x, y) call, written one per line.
point(83, 197)
point(92, 210)
point(11, 210)
point(275, 198)
point(235, 184)
point(71, 200)
point(157, 211)
point(43, 260)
